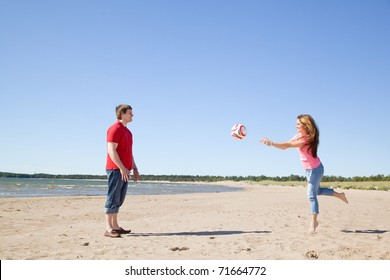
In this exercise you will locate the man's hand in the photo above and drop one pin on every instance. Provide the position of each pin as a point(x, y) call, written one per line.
point(125, 174)
point(136, 175)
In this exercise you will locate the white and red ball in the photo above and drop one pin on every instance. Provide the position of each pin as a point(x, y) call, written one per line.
point(238, 131)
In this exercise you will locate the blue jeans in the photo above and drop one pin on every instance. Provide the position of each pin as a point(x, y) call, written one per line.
point(117, 189)
point(314, 177)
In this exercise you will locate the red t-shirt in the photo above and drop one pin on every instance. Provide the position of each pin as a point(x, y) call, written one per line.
point(118, 133)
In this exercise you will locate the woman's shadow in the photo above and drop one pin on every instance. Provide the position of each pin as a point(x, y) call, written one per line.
point(369, 231)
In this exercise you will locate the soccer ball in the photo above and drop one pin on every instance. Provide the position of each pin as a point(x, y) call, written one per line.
point(238, 131)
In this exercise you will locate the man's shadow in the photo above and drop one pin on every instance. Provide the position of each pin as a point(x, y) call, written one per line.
point(200, 233)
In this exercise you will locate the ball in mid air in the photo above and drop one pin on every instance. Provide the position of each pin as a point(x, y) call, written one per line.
point(238, 131)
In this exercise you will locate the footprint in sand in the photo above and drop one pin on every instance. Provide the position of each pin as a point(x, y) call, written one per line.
point(179, 249)
point(312, 254)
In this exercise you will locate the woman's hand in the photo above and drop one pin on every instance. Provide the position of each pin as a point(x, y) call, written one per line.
point(266, 141)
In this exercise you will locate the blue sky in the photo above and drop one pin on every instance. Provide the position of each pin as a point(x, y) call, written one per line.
point(191, 70)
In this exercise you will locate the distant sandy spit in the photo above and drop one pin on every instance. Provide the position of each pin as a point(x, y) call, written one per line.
point(260, 222)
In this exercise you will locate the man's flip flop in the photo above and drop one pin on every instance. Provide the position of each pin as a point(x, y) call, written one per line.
point(112, 233)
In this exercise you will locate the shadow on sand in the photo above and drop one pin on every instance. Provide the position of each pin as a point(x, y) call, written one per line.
point(369, 231)
point(200, 233)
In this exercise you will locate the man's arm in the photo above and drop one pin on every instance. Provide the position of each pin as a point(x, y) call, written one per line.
point(136, 175)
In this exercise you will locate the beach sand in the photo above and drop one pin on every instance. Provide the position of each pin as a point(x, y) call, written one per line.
point(260, 222)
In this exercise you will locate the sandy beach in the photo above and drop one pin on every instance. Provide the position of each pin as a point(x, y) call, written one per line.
point(260, 222)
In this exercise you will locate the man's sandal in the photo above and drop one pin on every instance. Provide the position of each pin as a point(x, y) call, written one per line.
point(112, 233)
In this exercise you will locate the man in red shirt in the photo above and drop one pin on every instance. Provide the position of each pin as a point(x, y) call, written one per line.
point(120, 162)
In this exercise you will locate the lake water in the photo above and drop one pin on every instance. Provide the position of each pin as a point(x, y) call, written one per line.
point(27, 187)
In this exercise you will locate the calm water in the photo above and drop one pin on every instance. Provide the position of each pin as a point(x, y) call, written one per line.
point(26, 187)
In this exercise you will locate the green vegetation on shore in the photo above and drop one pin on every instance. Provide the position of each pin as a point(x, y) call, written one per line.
point(355, 185)
point(377, 182)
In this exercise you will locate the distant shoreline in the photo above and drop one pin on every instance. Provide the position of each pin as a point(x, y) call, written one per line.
point(205, 178)
point(378, 182)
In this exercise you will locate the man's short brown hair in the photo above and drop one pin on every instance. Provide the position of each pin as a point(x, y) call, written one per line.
point(122, 108)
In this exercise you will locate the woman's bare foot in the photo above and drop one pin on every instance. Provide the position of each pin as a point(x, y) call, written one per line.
point(314, 223)
point(341, 196)
point(313, 227)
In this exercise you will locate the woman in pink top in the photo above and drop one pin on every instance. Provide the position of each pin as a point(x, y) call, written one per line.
point(306, 141)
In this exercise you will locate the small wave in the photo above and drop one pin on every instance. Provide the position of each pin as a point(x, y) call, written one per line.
point(33, 188)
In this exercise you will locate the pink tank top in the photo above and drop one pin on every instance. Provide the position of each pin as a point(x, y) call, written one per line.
point(307, 160)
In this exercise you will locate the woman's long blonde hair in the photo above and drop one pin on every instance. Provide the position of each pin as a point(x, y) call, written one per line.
point(312, 131)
